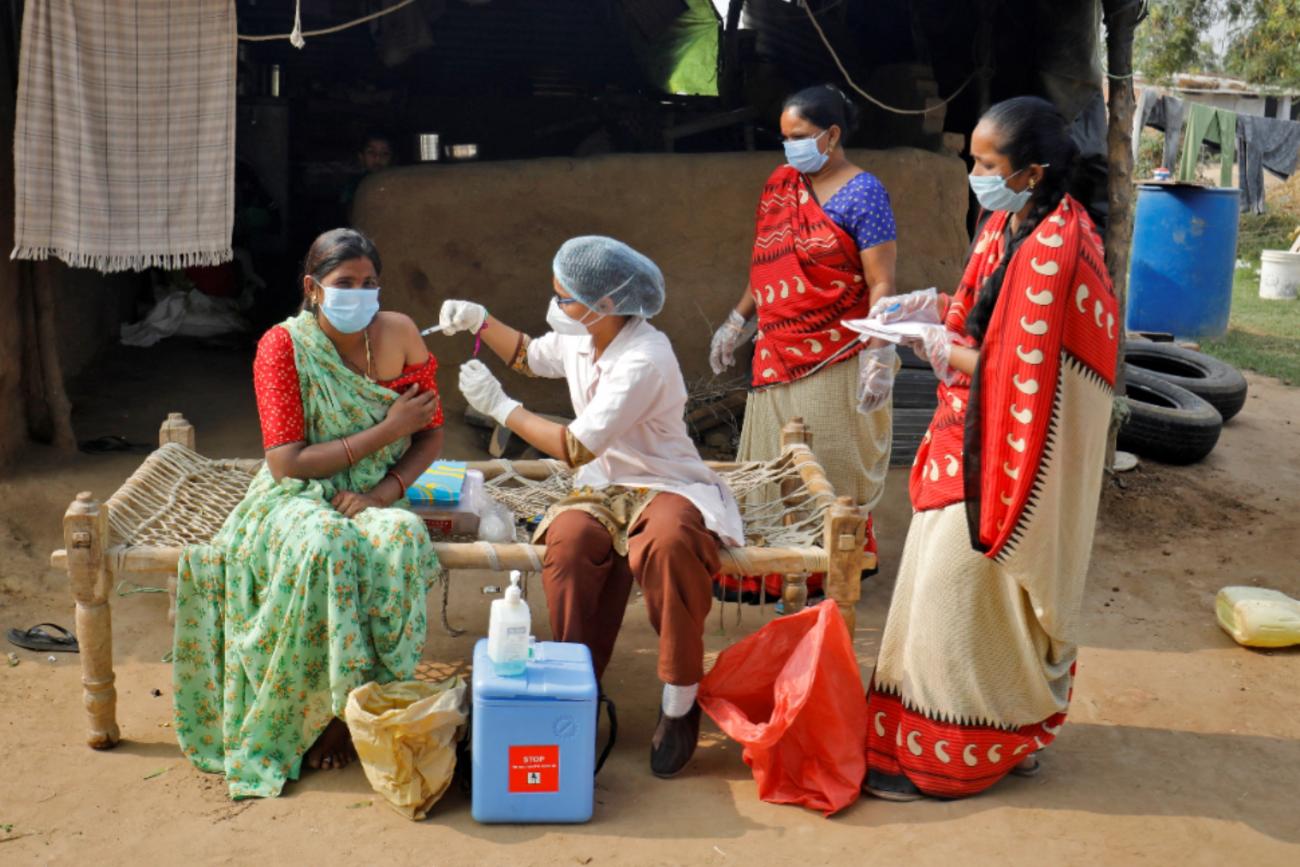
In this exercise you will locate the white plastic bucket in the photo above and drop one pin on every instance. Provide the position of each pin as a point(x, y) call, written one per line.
point(1279, 274)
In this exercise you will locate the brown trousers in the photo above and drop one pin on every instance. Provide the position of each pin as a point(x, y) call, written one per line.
point(670, 553)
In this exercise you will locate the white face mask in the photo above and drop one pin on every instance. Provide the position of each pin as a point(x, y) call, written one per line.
point(563, 323)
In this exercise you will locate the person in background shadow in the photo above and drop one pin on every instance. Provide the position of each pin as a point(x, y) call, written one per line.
point(375, 155)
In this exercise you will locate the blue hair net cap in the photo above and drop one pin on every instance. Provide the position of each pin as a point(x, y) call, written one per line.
point(593, 267)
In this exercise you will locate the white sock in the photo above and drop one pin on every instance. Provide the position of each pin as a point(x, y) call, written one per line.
point(677, 700)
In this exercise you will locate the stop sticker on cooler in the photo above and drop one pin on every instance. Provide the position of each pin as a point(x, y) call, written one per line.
point(535, 769)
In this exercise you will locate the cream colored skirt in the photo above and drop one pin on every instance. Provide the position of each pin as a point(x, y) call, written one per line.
point(853, 448)
point(963, 642)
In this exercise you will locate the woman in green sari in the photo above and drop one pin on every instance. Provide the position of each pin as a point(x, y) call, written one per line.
point(316, 583)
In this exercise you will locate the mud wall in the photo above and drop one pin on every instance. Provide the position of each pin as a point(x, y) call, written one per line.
point(488, 232)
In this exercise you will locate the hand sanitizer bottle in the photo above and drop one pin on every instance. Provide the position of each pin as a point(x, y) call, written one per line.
point(508, 631)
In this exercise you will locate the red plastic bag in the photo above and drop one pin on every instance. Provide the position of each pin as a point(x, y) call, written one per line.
point(791, 695)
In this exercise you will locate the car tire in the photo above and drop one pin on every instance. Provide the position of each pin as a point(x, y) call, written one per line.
point(1217, 381)
point(916, 389)
point(910, 425)
point(1167, 423)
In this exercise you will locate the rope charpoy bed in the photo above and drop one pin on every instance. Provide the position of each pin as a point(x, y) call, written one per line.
point(794, 525)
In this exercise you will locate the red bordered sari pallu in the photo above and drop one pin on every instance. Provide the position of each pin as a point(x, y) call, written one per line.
point(805, 276)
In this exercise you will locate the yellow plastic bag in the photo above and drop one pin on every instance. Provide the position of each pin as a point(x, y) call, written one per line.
point(405, 733)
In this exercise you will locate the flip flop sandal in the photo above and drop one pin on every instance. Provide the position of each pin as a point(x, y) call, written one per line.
point(38, 638)
point(892, 795)
point(1028, 767)
point(891, 787)
point(112, 443)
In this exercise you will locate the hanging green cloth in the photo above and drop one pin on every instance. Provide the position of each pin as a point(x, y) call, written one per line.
point(683, 58)
point(1205, 123)
point(291, 606)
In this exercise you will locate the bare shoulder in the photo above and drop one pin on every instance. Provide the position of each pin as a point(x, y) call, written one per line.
point(396, 323)
point(402, 330)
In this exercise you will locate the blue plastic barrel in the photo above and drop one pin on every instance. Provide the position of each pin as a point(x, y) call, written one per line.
point(1184, 252)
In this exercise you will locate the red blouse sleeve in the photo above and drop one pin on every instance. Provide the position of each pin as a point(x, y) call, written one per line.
point(425, 376)
point(279, 399)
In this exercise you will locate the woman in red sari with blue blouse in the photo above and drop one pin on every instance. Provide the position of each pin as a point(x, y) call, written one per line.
point(824, 251)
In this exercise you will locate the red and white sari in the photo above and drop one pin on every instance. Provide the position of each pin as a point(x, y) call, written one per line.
point(977, 659)
point(805, 276)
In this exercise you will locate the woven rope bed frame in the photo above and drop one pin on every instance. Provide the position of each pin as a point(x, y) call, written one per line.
point(178, 497)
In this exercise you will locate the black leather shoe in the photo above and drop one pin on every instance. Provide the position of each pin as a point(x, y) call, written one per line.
point(674, 742)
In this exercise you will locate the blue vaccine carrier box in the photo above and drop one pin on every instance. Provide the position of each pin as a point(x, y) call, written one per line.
point(534, 737)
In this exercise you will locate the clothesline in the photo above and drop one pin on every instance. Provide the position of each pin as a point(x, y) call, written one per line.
point(1256, 142)
point(297, 36)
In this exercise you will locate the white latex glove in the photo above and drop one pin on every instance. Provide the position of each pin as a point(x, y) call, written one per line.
point(935, 345)
point(458, 316)
point(484, 393)
point(875, 377)
point(722, 349)
point(919, 306)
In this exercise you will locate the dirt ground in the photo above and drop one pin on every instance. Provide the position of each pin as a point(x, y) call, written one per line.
point(1181, 747)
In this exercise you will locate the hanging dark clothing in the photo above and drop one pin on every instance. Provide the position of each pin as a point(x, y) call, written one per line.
point(1165, 113)
point(1264, 143)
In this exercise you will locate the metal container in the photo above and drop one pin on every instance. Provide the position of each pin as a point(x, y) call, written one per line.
point(430, 147)
point(1184, 252)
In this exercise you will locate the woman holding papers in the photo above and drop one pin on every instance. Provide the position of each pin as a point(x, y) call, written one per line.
point(824, 251)
point(976, 664)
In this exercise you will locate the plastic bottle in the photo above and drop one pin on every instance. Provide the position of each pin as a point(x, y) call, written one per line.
point(508, 628)
point(1258, 617)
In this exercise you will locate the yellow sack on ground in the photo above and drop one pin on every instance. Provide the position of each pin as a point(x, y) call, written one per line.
point(405, 733)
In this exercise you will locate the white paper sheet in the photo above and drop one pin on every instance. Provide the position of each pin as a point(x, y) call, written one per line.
point(894, 332)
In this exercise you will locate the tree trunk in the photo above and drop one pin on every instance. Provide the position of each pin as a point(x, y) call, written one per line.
point(1121, 18)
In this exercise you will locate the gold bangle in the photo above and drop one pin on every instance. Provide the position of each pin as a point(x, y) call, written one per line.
point(348, 448)
point(402, 492)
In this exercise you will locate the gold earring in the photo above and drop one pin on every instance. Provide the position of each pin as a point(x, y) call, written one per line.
point(1032, 183)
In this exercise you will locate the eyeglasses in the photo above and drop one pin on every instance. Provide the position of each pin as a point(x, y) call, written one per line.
point(565, 301)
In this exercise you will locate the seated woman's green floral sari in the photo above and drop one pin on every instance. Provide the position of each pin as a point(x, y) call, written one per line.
point(292, 606)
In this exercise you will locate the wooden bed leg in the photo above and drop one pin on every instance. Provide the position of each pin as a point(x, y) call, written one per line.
point(795, 432)
point(794, 588)
point(85, 530)
point(176, 430)
point(845, 535)
point(794, 592)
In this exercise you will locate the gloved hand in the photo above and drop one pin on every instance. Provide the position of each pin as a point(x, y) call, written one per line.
point(923, 305)
point(935, 345)
point(722, 349)
point(484, 393)
point(875, 377)
point(461, 316)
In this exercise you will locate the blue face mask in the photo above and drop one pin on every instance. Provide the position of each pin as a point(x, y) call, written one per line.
point(349, 310)
point(803, 155)
point(993, 194)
